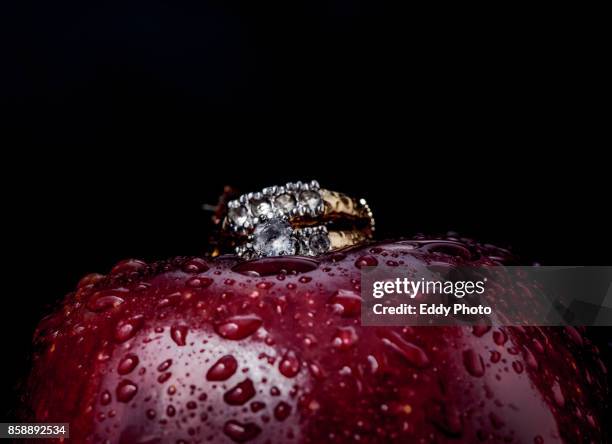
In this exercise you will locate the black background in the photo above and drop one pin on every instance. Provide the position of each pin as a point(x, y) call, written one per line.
point(124, 119)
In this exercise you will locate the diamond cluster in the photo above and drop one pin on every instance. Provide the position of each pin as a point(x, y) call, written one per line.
point(276, 237)
point(293, 199)
point(264, 218)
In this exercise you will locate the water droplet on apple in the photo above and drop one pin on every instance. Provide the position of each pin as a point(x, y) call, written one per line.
point(178, 333)
point(90, 279)
point(222, 369)
point(105, 398)
point(102, 301)
point(348, 301)
point(473, 363)
point(282, 411)
point(128, 266)
point(265, 285)
point(574, 335)
point(195, 265)
point(412, 353)
point(164, 377)
point(530, 359)
point(126, 390)
point(241, 432)
point(558, 394)
point(345, 338)
point(373, 363)
point(199, 282)
point(169, 301)
point(128, 328)
point(238, 327)
point(495, 356)
point(366, 261)
point(127, 364)
point(164, 365)
point(537, 345)
point(256, 406)
point(289, 365)
point(316, 371)
point(240, 393)
point(500, 337)
point(517, 366)
point(480, 330)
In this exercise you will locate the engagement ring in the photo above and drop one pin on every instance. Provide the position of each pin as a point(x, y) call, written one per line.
point(297, 218)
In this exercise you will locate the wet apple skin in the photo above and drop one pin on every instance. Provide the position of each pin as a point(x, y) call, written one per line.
point(221, 350)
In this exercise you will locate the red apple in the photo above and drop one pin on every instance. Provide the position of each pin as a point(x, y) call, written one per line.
point(219, 350)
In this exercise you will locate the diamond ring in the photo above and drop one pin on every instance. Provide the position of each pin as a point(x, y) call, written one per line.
point(297, 218)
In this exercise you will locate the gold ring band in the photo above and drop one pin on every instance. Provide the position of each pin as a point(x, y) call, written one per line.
point(297, 218)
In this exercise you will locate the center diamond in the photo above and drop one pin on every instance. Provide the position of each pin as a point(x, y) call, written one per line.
point(274, 238)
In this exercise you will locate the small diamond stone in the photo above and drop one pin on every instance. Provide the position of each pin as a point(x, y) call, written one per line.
point(238, 215)
point(311, 199)
point(274, 238)
point(319, 243)
point(285, 202)
point(302, 247)
point(261, 207)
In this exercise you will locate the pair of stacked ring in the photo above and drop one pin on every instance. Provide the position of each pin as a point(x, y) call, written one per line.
point(296, 218)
